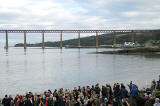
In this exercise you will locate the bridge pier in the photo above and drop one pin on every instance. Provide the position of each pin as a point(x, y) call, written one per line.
point(25, 44)
point(114, 40)
point(79, 43)
point(96, 39)
point(43, 46)
point(132, 37)
point(61, 45)
point(151, 33)
point(6, 40)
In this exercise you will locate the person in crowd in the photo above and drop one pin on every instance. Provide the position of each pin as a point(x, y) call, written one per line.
point(17, 100)
point(78, 103)
point(159, 79)
point(11, 100)
point(0, 101)
point(86, 100)
point(73, 102)
point(158, 85)
point(115, 102)
point(51, 101)
point(36, 100)
point(122, 94)
point(125, 102)
point(116, 89)
point(130, 86)
point(156, 102)
point(148, 91)
point(42, 100)
point(97, 89)
point(134, 95)
point(109, 92)
point(6, 101)
point(92, 89)
point(141, 100)
point(149, 100)
point(153, 85)
point(104, 92)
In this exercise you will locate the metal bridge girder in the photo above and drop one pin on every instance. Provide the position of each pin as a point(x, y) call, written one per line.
point(76, 31)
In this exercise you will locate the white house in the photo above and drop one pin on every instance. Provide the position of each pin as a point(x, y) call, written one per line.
point(129, 44)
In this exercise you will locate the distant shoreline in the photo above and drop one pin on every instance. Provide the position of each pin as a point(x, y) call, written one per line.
point(65, 47)
point(138, 50)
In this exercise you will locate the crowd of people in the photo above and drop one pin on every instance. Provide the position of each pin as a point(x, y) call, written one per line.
point(118, 95)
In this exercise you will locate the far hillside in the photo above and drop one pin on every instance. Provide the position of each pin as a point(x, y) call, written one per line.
point(104, 39)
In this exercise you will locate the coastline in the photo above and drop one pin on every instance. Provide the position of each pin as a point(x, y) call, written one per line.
point(133, 51)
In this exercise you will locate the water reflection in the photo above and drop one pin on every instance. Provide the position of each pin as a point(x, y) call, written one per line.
point(43, 62)
point(6, 52)
point(114, 63)
point(79, 55)
point(25, 51)
point(61, 50)
point(25, 64)
point(152, 56)
point(43, 51)
point(61, 61)
point(7, 64)
point(97, 50)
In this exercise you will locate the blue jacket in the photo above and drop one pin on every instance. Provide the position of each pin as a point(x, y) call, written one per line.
point(134, 92)
point(156, 104)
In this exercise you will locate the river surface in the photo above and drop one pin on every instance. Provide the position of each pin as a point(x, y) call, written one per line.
point(38, 70)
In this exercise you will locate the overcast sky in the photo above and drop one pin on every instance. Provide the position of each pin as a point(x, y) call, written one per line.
point(75, 14)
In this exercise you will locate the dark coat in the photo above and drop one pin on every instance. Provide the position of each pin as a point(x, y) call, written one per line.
point(141, 101)
point(50, 102)
point(6, 102)
point(123, 93)
point(36, 102)
point(29, 103)
point(97, 90)
point(104, 91)
point(115, 104)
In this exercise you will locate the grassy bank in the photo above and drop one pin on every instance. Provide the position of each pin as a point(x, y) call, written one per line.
point(132, 51)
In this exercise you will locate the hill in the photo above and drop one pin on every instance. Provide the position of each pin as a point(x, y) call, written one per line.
point(104, 39)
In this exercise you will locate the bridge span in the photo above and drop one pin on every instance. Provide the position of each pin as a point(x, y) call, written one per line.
point(71, 31)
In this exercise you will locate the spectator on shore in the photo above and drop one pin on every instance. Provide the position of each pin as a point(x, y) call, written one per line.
point(130, 86)
point(134, 95)
point(125, 102)
point(122, 94)
point(0, 102)
point(159, 79)
point(153, 85)
point(6, 101)
point(97, 89)
point(11, 100)
point(116, 89)
point(149, 100)
point(115, 102)
point(156, 102)
point(104, 92)
point(158, 85)
point(109, 92)
point(141, 100)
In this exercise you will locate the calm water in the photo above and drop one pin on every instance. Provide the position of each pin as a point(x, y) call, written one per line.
point(37, 70)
